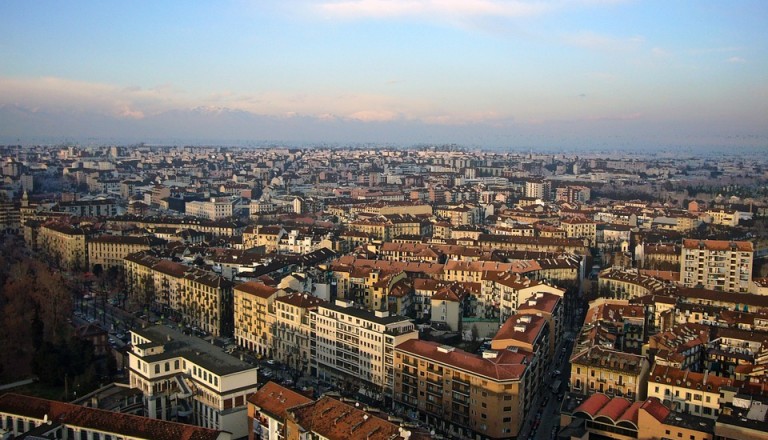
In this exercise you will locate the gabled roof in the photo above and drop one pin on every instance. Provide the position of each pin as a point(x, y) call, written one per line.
point(256, 288)
point(127, 425)
point(275, 400)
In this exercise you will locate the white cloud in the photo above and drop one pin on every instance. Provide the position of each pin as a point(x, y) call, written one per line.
point(736, 60)
point(433, 8)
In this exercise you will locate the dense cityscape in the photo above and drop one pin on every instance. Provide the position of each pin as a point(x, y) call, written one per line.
point(167, 292)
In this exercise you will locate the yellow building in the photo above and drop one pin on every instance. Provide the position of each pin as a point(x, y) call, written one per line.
point(462, 394)
point(110, 251)
point(254, 303)
point(602, 370)
point(577, 228)
point(64, 244)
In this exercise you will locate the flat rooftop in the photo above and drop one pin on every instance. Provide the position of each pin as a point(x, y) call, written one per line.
point(195, 350)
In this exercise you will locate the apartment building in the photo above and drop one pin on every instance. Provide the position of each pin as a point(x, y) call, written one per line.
point(65, 244)
point(89, 208)
point(216, 208)
point(687, 391)
point(580, 228)
point(573, 194)
point(387, 227)
point(253, 305)
point(267, 236)
point(717, 265)
point(510, 290)
point(187, 378)
point(682, 346)
point(531, 334)
point(723, 217)
point(108, 251)
point(35, 418)
point(268, 411)
point(330, 419)
point(621, 283)
point(462, 394)
point(551, 308)
point(291, 330)
point(356, 346)
point(538, 189)
point(194, 296)
point(603, 370)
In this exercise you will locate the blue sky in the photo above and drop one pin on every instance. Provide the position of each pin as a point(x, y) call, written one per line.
point(491, 73)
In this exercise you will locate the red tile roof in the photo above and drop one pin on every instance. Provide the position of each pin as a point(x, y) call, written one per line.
point(256, 288)
point(335, 420)
point(614, 408)
point(593, 404)
point(275, 400)
point(507, 365)
point(654, 407)
point(127, 425)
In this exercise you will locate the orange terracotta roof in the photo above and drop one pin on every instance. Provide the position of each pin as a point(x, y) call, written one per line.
point(275, 400)
point(507, 365)
point(127, 425)
point(256, 288)
point(654, 407)
point(614, 408)
point(336, 420)
point(593, 404)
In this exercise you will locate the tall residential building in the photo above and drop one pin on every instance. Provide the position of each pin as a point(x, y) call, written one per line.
point(194, 296)
point(717, 264)
point(254, 303)
point(356, 346)
point(187, 378)
point(64, 244)
point(462, 394)
point(291, 329)
point(538, 189)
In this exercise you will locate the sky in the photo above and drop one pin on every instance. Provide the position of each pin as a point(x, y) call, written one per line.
point(486, 73)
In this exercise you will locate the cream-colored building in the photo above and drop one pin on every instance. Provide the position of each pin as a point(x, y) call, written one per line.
point(110, 251)
point(717, 265)
point(615, 373)
point(291, 330)
point(356, 346)
point(65, 244)
point(213, 209)
point(188, 378)
point(687, 391)
point(577, 228)
point(195, 297)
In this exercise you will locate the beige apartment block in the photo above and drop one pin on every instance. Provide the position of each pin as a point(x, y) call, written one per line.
point(717, 265)
point(463, 394)
point(65, 244)
point(355, 347)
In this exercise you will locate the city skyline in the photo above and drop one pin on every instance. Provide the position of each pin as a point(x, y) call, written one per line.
point(497, 74)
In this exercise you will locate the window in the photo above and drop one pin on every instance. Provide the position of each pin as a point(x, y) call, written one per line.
point(507, 408)
point(157, 368)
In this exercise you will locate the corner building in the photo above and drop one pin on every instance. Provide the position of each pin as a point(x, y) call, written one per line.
point(462, 394)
